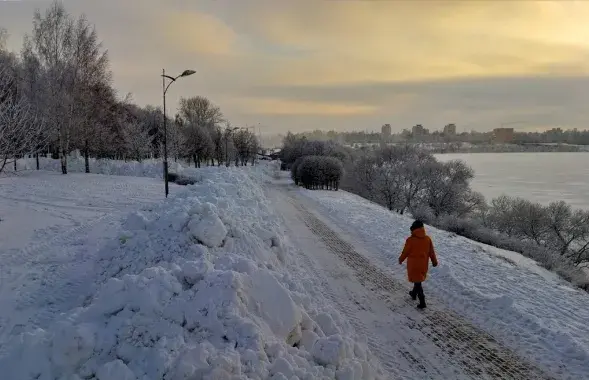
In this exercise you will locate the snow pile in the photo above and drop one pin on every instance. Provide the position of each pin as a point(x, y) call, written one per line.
point(203, 287)
point(147, 168)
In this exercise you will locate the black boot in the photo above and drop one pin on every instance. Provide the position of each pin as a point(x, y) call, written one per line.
point(413, 295)
point(421, 297)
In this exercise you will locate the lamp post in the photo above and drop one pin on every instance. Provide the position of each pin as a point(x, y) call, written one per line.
point(185, 73)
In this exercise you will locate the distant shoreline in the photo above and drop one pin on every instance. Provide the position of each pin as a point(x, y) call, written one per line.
point(460, 147)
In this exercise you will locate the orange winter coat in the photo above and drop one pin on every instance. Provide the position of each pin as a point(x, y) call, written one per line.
point(418, 251)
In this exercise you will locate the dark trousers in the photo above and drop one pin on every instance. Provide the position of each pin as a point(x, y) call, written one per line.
point(418, 291)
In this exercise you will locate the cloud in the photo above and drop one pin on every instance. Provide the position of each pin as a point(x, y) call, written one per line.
point(276, 106)
point(350, 42)
point(200, 33)
point(345, 65)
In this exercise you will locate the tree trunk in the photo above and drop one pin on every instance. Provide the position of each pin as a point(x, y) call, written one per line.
point(15, 159)
point(86, 158)
point(61, 153)
point(63, 163)
point(194, 158)
point(37, 159)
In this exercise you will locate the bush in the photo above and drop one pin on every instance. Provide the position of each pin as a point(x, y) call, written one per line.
point(423, 213)
point(318, 172)
point(180, 179)
point(184, 180)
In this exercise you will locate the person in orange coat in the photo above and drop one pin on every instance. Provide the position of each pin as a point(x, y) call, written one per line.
point(418, 251)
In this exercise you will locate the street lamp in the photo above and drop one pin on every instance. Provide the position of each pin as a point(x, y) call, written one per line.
point(185, 73)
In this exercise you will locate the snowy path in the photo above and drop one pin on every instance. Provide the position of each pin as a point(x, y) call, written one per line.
point(51, 229)
point(435, 344)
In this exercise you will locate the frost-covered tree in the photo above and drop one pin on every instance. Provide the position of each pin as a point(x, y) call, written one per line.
point(20, 128)
point(137, 140)
point(569, 231)
point(74, 63)
point(200, 119)
point(447, 187)
point(246, 145)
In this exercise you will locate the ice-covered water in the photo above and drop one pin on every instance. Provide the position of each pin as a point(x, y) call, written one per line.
point(541, 177)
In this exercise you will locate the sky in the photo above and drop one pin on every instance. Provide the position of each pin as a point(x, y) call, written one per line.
point(348, 65)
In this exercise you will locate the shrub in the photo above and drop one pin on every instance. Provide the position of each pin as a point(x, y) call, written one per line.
point(318, 172)
point(184, 180)
point(423, 213)
point(180, 179)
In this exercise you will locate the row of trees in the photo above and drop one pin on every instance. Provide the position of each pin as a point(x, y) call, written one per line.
point(555, 136)
point(57, 96)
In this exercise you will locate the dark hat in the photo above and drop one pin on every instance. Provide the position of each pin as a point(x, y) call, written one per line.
point(417, 224)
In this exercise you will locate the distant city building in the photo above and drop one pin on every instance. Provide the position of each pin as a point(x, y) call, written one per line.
point(503, 135)
point(386, 131)
point(450, 130)
point(419, 130)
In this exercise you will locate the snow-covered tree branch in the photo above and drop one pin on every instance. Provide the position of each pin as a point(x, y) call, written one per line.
point(21, 130)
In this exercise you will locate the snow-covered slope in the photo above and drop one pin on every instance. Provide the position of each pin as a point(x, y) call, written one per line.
point(203, 286)
point(526, 307)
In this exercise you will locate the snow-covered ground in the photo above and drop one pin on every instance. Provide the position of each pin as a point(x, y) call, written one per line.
point(525, 307)
point(245, 276)
point(148, 168)
point(204, 285)
point(50, 230)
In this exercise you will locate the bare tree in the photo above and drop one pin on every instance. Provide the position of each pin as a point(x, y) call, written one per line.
point(34, 90)
point(176, 138)
point(20, 129)
point(199, 111)
point(91, 85)
point(389, 185)
point(200, 119)
point(52, 44)
point(198, 144)
point(75, 64)
point(246, 145)
point(569, 231)
point(137, 140)
point(447, 186)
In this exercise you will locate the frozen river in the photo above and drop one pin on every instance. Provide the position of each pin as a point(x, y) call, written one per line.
point(541, 177)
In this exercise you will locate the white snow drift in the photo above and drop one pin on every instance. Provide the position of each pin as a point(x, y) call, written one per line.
point(201, 287)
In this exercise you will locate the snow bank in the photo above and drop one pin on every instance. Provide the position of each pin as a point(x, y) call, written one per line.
point(202, 287)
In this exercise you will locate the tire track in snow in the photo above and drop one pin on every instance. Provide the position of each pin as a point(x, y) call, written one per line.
point(475, 351)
